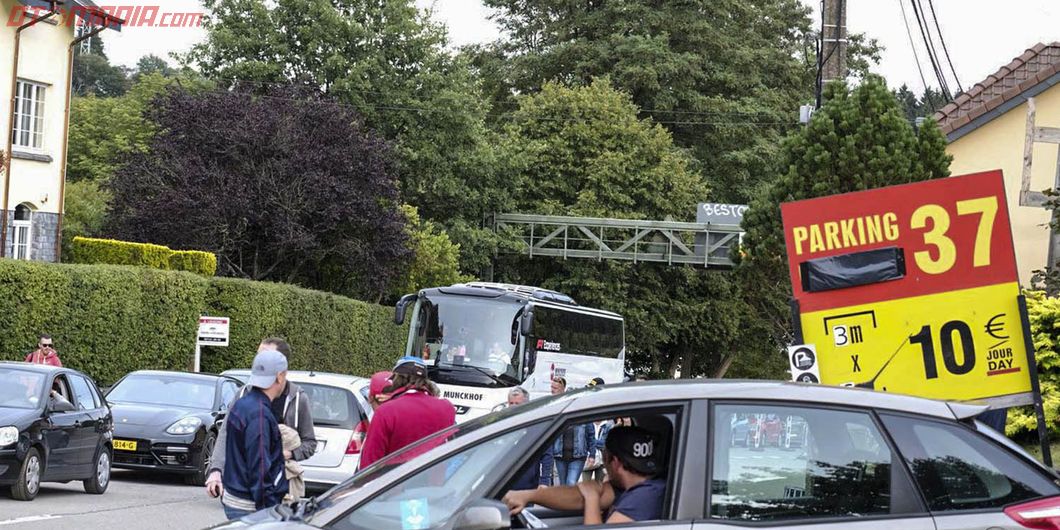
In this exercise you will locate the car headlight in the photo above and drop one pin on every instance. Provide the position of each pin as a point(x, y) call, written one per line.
point(186, 425)
point(8, 436)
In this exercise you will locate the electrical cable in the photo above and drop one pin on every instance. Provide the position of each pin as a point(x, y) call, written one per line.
point(925, 35)
point(945, 50)
point(916, 56)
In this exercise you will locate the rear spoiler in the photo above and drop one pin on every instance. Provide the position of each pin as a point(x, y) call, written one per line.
point(963, 411)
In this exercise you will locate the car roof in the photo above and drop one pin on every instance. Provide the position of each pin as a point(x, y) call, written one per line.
point(186, 375)
point(302, 376)
point(750, 390)
point(32, 367)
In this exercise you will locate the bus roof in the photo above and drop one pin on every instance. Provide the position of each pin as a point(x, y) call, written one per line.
point(516, 293)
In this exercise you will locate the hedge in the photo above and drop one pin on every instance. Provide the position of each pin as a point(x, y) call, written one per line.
point(86, 250)
point(108, 320)
point(1044, 315)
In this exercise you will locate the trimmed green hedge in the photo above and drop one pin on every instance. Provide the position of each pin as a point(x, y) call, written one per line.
point(92, 251)
point(108, 320)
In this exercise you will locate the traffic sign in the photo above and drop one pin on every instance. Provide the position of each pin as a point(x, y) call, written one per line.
point(912, 289)
point(213, 331)
point(803, 361)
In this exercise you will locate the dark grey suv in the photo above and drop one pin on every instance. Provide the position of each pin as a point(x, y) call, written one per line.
point(836, 458)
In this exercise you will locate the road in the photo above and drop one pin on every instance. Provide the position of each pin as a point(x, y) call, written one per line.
point(134, 500)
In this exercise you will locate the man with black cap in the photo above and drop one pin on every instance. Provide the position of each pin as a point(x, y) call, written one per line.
point(631, 494)
point(413, 411)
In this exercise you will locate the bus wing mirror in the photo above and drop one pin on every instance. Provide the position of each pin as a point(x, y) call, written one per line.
point(526, 327)
point(402, 306)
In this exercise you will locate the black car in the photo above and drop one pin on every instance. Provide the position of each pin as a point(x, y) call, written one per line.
point(54, 427)
point(168, 421)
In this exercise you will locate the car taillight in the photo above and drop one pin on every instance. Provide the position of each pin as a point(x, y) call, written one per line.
point(1042, 513)
point(351, 448)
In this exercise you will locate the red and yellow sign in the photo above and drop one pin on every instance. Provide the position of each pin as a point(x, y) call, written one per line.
point(948, 324)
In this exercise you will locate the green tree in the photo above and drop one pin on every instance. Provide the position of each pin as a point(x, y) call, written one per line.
point(86, 210)
point(94, 75)
point(859, 139)
point(435, 261)
point(921, 106)
point(152, 64)
point(389, 61)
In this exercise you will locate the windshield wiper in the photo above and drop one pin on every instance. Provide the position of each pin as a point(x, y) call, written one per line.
point(494, 377)
point(304, 508)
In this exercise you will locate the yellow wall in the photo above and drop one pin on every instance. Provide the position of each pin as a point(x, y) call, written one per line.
point(42, 59)
point(999, 144)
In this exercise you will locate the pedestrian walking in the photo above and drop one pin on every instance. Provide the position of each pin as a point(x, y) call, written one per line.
point(292, 469)
point(291, 408)
point(412, 412)
point(376, 397)
point(254, 473)
point(45, 352)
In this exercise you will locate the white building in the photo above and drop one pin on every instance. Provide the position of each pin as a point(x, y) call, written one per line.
point(39, 35)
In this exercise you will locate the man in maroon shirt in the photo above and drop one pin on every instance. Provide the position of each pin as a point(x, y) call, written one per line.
point(413, 411)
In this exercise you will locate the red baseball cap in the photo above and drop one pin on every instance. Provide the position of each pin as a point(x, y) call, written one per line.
point(379, 382)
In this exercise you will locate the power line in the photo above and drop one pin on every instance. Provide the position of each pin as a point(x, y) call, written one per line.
point(912, 44)
point(942, 40)
point(929, 45)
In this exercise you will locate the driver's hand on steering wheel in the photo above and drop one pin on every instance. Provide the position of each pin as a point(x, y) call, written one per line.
point(516, 500)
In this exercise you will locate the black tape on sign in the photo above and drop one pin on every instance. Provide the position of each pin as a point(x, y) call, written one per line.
point(851, 270)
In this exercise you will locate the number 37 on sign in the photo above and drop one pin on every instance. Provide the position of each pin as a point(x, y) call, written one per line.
point(912, 289)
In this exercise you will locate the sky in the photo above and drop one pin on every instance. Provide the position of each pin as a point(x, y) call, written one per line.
point(982, 35)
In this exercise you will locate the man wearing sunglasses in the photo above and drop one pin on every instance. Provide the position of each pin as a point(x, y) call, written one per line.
point(45, 352)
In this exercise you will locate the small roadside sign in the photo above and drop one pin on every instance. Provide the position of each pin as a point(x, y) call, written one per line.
point(213, 331)
point(803, 361)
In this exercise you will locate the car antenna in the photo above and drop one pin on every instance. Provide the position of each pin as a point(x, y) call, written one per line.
point(871, 384)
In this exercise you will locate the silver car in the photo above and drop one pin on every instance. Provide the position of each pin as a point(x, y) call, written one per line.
point(865, 461)
point(338, 403)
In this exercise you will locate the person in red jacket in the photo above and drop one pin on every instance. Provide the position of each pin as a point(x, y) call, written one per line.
point(413, 411)
point(45, 353)
point(376, 397)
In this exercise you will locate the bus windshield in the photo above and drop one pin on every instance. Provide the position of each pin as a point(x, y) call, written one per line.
point(464, 331)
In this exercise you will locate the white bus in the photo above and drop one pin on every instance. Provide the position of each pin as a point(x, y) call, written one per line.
point(480, 339)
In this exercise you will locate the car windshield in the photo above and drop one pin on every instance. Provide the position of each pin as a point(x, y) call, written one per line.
point(455, 432)
point(20, 389)
point(467, 331)
point(167, 390)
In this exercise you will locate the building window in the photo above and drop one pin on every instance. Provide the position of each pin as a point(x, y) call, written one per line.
point(23, 228)
point(29, 115)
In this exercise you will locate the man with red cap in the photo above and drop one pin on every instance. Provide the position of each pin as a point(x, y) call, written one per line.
point(376, 397)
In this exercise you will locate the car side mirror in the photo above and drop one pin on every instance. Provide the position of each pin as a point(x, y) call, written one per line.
point(402, 306)
point(527, 325)
point(484, 514)
point(62, 406)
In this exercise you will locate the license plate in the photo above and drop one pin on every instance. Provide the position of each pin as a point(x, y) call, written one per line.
point(125, 445)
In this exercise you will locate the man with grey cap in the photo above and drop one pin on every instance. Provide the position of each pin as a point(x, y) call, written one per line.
point(254, 473)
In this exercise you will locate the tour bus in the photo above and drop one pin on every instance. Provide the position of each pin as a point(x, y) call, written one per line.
point(480, 339)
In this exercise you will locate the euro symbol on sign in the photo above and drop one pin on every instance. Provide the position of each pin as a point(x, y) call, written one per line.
point(996, 329)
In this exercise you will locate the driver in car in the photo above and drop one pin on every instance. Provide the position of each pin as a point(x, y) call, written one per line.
point(631, 494)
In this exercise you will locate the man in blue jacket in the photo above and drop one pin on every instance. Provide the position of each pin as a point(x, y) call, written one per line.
point(253, 473)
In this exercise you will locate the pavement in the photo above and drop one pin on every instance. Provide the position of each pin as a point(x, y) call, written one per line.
point(134, 500)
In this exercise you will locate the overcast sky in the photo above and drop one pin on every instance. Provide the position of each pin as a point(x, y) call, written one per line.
point(982, 35)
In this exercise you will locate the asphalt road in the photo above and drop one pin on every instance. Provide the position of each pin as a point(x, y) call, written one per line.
point(134, 500)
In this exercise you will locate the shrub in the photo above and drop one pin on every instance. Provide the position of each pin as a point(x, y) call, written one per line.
point(87, 250)
point(197, 261)
point(1044, 315)
point(108, 320)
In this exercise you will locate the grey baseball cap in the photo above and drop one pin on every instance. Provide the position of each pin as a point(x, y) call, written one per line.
point(267, 365)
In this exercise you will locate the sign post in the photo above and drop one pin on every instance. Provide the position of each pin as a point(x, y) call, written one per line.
point(913, 289)
point(213, 331)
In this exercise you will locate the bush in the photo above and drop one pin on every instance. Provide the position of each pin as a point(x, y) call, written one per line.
point(197, 261)
point(1044, 314)
point(91, 251)
point(108, 320)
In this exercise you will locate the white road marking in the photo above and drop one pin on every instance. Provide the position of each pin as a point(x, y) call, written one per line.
point(30, 519)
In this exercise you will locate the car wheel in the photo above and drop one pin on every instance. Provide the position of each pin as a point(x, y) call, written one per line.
point(28, 482)
point(100, 479)
point(199, 477)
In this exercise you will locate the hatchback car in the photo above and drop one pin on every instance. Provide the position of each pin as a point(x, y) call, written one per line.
point(338, 403)
point(870, 461)
point(168, 421)
point(54, 427)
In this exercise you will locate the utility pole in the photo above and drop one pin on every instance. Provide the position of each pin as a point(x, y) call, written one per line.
point(834, 41)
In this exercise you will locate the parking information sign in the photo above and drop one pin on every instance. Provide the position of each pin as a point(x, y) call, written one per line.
point(803, 361)
point(213, 331)
point(912, 289)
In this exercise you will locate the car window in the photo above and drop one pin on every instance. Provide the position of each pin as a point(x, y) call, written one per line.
point(957, 469)
point(776, 463)
point(83, 397)
point(431, 497)
point(20, 389)
point(228, 392)
point(331, 406)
